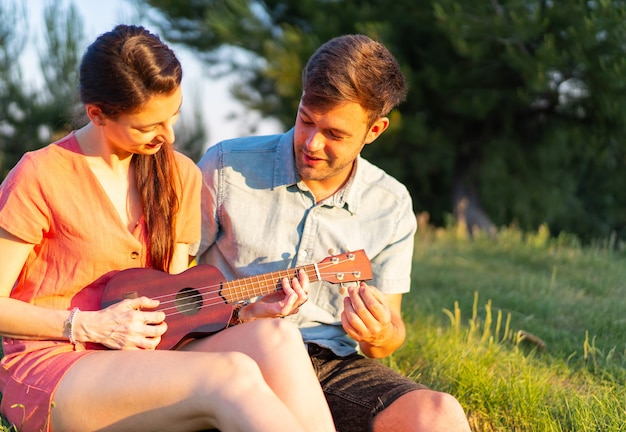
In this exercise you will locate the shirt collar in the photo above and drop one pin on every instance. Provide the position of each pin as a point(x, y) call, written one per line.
point(285, 167)
point(347, 196)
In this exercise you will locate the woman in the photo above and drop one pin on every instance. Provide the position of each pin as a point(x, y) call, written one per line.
point(115, 195)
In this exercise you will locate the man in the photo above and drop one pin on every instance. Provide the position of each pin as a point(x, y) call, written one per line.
point(282, 201)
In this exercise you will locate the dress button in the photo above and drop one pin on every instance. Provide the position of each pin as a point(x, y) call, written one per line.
point(134, 255)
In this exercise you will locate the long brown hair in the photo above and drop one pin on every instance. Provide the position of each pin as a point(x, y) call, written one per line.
point(119, 72)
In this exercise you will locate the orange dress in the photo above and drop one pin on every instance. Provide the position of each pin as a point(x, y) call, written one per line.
point(52, 200)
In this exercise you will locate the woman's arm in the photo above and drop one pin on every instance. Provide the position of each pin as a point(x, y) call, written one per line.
point(129, 324)
point(181, 259)
point(17, 318)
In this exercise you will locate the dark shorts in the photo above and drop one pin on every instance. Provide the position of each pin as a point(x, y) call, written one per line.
point(357, 388)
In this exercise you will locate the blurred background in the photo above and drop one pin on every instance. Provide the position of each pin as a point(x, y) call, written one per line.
point(514, 116)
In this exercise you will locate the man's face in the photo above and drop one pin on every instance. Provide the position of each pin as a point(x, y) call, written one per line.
point(326, 144)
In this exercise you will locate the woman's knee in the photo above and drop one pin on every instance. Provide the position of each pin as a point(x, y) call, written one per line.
point(230, 372)
point(234, 365)
point(273, 333)
point(226, 386)
point(282, 331)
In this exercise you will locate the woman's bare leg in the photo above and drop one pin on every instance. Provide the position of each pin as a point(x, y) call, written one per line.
point(276, 345)
point(168, 390)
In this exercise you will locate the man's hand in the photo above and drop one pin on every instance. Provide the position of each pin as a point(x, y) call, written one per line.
point(374, 320)
point(280, 303)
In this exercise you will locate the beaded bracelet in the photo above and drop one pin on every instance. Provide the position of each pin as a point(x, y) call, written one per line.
point(234, 319)
point(68, 326)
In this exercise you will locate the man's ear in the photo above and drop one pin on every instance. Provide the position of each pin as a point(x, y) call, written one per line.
point(380, 125)
point(95, 114)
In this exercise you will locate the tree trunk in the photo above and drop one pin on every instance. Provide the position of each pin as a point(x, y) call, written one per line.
point(468, 211)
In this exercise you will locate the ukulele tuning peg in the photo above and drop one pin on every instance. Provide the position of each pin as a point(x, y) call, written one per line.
point(334, 260)
point(340, 276)
point(351, 256)
point(357, 274)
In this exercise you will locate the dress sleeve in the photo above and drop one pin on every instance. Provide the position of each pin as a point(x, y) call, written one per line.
point(188, 220)
point(24, 210)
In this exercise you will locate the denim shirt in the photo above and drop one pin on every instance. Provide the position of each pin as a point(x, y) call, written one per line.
point(258, 217)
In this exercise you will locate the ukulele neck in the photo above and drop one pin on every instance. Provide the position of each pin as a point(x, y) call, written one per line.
point(254, 286)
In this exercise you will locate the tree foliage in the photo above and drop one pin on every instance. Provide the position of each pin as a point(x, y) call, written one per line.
point(34, 114)
point(32, 117)
point(515, 108)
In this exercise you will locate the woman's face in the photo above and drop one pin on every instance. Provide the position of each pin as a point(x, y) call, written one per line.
point(145, 131)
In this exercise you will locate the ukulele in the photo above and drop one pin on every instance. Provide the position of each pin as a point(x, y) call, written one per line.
point(199, 301)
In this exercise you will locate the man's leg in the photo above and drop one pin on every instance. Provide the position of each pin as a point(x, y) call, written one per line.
point(357, 388)
point(422, 410)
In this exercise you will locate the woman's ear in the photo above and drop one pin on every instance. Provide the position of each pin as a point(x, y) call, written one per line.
point(377, 128)
point(95, 114)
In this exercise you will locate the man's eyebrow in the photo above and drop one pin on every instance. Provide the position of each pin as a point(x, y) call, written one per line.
point(336, 131)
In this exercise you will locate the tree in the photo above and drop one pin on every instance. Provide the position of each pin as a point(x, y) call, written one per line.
point(515, 108)
point(32, 117)
point(11, 44)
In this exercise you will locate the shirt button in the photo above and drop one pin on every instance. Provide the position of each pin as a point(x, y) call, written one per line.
point(134, 255)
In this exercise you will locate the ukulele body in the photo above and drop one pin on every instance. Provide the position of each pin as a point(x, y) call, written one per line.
point(192, 311)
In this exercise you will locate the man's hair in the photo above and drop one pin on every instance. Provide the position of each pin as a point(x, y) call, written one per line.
point(353, 68)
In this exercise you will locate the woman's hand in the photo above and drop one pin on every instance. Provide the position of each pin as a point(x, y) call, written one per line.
point(280, 303)
point(124, 325)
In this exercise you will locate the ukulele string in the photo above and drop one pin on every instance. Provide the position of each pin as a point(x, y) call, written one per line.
point(261, 281)
point(194, 302)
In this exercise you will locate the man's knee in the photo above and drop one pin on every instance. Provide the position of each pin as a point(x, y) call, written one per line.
point(426, 410)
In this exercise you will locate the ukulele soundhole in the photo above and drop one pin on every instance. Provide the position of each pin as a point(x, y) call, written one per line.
point(188, 301)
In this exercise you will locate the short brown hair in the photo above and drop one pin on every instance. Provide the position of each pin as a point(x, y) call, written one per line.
point(353, 68)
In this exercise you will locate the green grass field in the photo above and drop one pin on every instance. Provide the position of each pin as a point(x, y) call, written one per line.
point(526, 330)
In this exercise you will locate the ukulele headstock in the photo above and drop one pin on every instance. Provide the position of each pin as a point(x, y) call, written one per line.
point(347, 267)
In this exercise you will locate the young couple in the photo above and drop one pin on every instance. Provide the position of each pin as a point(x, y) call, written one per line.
point(115, 195)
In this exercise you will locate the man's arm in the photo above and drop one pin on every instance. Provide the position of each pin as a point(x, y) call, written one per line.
point(374, 320)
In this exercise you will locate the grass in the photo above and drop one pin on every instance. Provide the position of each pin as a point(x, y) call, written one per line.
point(528, 331)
